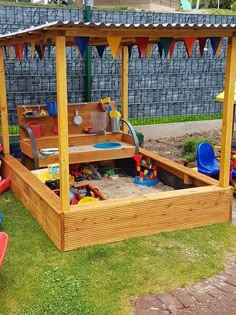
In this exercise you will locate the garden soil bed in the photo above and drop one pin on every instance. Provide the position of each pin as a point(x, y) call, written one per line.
point(172, 147)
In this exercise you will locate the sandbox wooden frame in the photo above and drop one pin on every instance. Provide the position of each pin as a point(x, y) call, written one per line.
point(207, 201)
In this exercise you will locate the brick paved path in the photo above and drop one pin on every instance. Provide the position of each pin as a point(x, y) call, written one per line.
point(216, 295)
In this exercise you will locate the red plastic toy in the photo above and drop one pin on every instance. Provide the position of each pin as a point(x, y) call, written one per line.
point(3, 246)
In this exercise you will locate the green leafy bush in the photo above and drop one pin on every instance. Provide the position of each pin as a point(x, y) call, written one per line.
point(190, 148)
point(226, 4)
point(233, 6)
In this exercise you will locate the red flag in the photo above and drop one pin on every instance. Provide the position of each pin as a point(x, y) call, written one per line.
point(189, 43)
point(202, 43)
point(142, 43)
point(171, 48)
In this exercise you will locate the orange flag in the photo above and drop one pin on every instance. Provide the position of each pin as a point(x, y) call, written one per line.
point(189, 43)
point(114, 42)
point(218, 48)
point(119, 51)
point(32, 49)
point(9, 53)
point(19, 48)
point(149, 50)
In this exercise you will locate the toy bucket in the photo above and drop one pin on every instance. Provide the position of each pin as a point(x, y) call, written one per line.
point(52, 108)
point(36, 128)
point(115, 124)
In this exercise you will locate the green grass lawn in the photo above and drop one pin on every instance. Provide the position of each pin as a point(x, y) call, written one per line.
point(37, 279)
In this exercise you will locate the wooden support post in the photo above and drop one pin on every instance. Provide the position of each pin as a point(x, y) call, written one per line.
point(62, 120)
point(124, 87)
point(3, 105)
point(227, 119)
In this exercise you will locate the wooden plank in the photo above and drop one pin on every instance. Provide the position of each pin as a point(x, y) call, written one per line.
point(124, 87)
point(228, 110)
point(83, 154)
point(177, 169)
point(147, 214)
point(42, 203)
point(3, 105)
point(149, 32)
point(62, 120)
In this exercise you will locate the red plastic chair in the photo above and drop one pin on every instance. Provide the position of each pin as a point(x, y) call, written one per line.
point(3, 246)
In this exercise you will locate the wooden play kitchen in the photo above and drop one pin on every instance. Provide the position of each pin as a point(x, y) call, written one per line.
point(203, 201)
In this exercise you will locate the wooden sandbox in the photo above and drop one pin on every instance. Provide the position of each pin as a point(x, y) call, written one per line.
point(200, 202)
point(118, 219)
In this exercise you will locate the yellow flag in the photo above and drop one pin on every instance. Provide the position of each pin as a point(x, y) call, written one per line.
point(218, 48)
point(9, 53)
point(114, 42)
point(32, 48)
point(149, 50)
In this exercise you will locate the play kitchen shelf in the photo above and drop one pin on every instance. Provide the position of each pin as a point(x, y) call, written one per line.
point(34, 111)
point(81, 146)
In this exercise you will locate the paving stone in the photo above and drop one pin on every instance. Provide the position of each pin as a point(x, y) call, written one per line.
point(229, 279)
point(215, 292)
point(200, 296)
point(170, 301)
point(203, 310)
point(226, 287)
point(140, 311)
point(184, 298)
point(147, 301)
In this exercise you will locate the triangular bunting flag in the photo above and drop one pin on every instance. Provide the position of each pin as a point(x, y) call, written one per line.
point(165, 43)
point(172, 47)
point(39, 52)
point(26, 51)
point(5, 52)
point(149, 50)
point(202, 44)
point(42, 48)
point(100, 50)
point(189, 43)
point(218, 48)
point(113, 42)
point(79, 53)
point(32, 48)
point(82, 44)
point(160, 49)
point(119, 51)
point(214, 44)
point(19, 48)
point(9, 53)
point(49, 46)
point(130, 47)
point(142, 43)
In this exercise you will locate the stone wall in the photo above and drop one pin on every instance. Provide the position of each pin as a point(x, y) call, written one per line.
point(157, 87)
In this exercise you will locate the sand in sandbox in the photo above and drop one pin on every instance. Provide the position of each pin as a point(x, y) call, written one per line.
point(123, 187)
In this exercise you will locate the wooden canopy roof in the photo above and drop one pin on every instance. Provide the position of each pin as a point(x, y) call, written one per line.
point(98, 32)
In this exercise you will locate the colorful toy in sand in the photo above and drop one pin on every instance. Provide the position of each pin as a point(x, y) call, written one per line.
point(147, 172)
